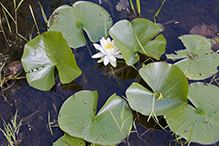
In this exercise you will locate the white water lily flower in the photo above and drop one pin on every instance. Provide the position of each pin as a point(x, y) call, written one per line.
point(108, 52)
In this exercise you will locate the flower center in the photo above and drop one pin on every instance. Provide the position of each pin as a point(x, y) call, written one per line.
point(108, 46)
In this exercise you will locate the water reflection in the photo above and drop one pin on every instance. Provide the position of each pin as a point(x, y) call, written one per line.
point(33, 105)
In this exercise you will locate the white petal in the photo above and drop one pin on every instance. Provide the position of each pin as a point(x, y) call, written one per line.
point(116, 53)
point(100, 60)
point(106, 60)
point(114, 47)
point(119, 56)
point(102, 42)
point(108, 40)
point(108, 51)
point(113, 43)
point(98, 55)
point(112, 58)
point(98, 47)
point(113, 63)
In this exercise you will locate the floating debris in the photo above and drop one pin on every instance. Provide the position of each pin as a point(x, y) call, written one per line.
point(15, 67)
point(122, 5)
point(209, 31)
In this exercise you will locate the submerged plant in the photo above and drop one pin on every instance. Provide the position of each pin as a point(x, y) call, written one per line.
point(108, 52)
point(138, 7)
point(11, 131)
point(14, 19)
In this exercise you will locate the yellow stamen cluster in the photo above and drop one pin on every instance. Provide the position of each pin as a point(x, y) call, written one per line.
point(108, 46)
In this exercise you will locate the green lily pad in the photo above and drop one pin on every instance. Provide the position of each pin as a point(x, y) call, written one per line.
point(68, 140)
point(44, 53)
point(198, 60)
point(201, 122)
point(139, 35)
point(109, 126)
point(169, 89)
point(101, 145)
point(90, 17)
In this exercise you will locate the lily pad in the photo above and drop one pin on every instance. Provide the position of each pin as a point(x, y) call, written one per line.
point(139, 35)
point(67, 140)
point(201, 122)
point(44, 53)
point(90, 17)
point(101, 145)
point(169, 89)
point(109, 126)
point(198, 60)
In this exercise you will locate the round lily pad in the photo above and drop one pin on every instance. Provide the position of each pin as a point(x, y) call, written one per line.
point(198, 60)
point(90, 17)
point(101, 145)
point(109, 126)
point(139, 35)
point(44, 53)
point(67, 140)
point(169, 89)
point(200, 122)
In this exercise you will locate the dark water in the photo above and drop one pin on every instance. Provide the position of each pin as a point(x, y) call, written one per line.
point(33, 105)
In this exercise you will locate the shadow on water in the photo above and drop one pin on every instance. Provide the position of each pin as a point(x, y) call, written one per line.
point(33, 105)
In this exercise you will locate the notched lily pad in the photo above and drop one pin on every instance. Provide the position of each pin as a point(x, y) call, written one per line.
point(67, 140)
point(90, 17)
point(101, 145)
point(169, 89)
point(44, 53)
point(139, 35)
point(201, 122)
point(109, 126)
point(198, 60)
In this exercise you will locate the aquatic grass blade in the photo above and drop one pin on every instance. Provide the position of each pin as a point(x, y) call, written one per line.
point(50, 128)
point(22, 37)
point(2, 29)
point(132, 6)
point(43, 13)
point(14, 1)
point(138, 7)
point(31, 10)
point(8, 13)
point(19, 4)
point(7, 136)
point(1, 74)
point(6, 18)
point(158, 11)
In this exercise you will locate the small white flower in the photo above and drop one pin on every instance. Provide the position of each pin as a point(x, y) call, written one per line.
point(108, 52)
